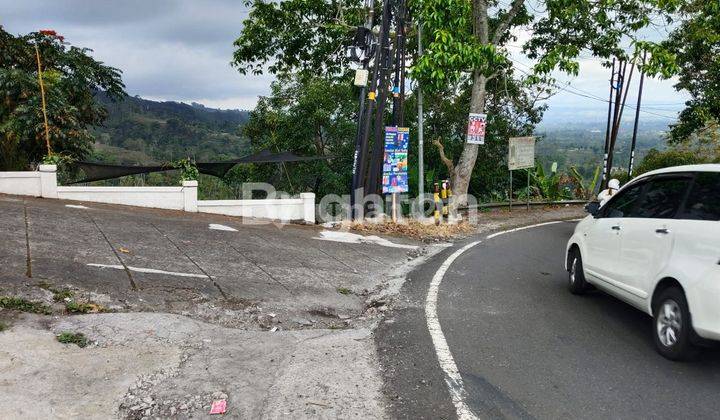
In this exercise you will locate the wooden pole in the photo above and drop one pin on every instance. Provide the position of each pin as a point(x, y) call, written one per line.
point(510, 196)
point(528, 189)
point(42, 96)
point(637, 118)
point(394, 207)
point(604, 178)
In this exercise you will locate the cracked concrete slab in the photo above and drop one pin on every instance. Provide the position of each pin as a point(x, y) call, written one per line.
point(289, 336)
point(151, 364)
point(282, 270)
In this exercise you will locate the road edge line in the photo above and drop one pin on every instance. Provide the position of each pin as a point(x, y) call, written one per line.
point(442, 349)
point(496, 234)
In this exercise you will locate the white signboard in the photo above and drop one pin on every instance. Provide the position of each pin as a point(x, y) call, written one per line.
point(522, 153)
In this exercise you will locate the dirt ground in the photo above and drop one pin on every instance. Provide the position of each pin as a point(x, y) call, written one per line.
point(276, 320)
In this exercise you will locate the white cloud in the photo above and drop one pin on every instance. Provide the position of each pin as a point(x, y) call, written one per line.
point(181, 49)
point(167, 50)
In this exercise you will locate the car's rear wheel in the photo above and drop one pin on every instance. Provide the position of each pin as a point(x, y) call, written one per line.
point(576, 274)
point(672, 327)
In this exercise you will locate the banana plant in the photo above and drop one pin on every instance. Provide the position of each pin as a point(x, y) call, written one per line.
point(547, 186)
point(584, 189)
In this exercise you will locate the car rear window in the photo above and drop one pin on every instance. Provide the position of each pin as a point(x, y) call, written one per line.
point(662, 198)
point(703, 202)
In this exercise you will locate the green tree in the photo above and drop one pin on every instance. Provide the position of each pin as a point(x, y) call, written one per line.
point(309, 116)
point(71, 78)
point(657, 159)
point(464, 39)
point(696, 42)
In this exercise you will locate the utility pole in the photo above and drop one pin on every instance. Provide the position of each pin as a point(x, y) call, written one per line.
point(398, 117)
point(358, 168)
point(401, 62)
point(620, 98)
point(383, 65)
point(637, 118)
point(421, 163)
point(603, 181)
point(396, 79)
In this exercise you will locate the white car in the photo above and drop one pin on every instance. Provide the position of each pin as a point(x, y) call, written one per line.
point(656, 246)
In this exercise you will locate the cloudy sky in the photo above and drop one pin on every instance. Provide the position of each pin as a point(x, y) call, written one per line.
point(180, 50)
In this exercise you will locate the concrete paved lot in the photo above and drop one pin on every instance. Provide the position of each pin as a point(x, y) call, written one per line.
point(269, 318)
point(215, 275)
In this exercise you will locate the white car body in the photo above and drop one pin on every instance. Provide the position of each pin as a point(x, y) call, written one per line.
point(632, 258)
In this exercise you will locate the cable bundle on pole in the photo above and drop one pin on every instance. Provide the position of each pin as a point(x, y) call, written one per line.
point(386, 56)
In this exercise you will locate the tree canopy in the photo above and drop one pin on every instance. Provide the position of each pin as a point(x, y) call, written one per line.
point(71, 79)
point(696, 43)
point(464, 40)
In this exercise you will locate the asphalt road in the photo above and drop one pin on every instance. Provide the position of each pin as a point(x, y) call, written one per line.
point(526, 348)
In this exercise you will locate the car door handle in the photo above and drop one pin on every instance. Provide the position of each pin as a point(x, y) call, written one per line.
point(616, 227)
point(663, 231)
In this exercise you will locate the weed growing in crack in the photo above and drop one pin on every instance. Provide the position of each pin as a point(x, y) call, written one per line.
point(344, 290)
point(84, 308)
point(68, 337)
point(24, 305)
point(61, 295)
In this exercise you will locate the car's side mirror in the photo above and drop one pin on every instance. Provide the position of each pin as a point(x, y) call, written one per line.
point(593, 208)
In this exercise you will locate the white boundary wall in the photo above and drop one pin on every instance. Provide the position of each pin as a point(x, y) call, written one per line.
point(302, 208)
point(43, 183)
point(21, 183)
point(157, 197)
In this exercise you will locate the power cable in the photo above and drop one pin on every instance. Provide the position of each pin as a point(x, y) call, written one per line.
point(589, 95)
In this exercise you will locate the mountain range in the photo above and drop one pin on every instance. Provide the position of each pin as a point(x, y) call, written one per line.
point(141, 131)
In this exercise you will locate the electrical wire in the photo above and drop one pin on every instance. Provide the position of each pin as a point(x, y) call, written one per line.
point(588, 95)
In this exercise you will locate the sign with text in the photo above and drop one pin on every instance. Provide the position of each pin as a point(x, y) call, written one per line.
point(521, 153)
point(476, 128)
point(395, 162)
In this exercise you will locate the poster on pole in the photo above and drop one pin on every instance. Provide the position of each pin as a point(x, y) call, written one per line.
point(395, 161)
point(521, 153)
point(476, 128)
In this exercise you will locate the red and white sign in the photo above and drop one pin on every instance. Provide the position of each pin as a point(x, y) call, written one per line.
point(476, 128)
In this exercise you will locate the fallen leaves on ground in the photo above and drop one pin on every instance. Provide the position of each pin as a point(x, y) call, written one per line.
point(426, 232)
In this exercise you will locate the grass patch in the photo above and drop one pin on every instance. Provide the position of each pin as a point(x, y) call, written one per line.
point(61, 295)
point(84, 308)
point(24, 305)
point(344, 290)
point(68, 337)
point(3, 326)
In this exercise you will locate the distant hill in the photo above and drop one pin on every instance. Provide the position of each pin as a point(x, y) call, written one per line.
point(140, 131)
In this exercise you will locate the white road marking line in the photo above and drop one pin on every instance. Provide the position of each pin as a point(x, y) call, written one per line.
point(522, 228)
point(214, 226)
point(354, 238)
point(76, 206)
point(442, 350)
point(149, 270)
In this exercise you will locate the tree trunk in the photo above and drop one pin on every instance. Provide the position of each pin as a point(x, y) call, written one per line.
point(464, 167)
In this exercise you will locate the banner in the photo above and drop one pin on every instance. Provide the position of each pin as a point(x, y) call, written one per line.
point(521, 153)
point(476, 128)
point(395, 162)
